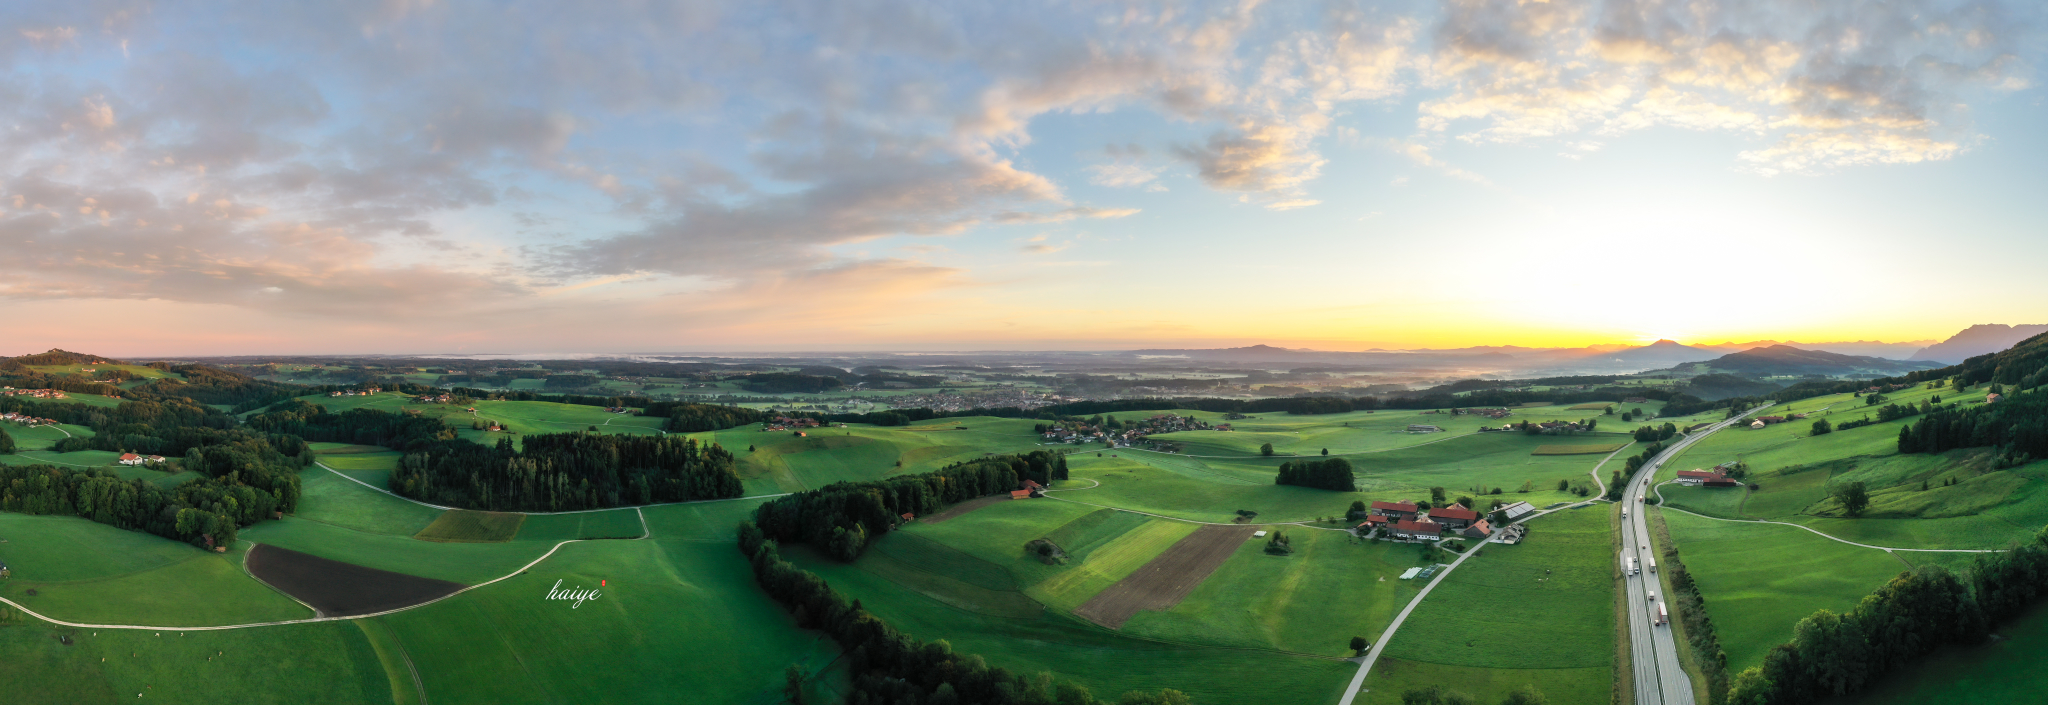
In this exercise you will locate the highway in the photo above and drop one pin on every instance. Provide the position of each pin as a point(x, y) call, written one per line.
point(1653, 649)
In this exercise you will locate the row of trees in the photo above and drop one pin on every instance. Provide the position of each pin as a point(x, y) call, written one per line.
point(1331, 474)
point(1652, 434)
point(566, 472)
point(842, 518)
point(685, 417)
point(1915, 613)
point(356, 426)
point(889, 667)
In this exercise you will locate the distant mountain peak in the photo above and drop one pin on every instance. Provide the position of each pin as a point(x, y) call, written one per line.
point(1980, 339)
point(1661, 342)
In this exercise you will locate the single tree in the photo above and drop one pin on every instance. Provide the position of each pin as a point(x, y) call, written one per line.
point(1822, 428)
point(1266, 449)
point(1359, 646)
point(1436, 496)
point(1525, 695)
point(1326, 451)
point(1854, 498)
point(793, 686)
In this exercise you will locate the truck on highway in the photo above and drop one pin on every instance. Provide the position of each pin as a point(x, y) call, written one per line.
point(1663, 616)
point(1624, 512)
point(1653, 564)
point(1631, 565)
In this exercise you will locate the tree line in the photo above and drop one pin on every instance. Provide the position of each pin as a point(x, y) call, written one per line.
point(2016, 426)
point(1332, 474)
point(842, 518)
point(889, 667)
point(566, 472)
point(1908, 617)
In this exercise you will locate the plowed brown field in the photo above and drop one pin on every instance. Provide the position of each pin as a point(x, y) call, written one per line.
point(1167, 579)
point(965, 507)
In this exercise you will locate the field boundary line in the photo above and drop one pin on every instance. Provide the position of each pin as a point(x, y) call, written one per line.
point(266, 583)
point(1332, 455)
point(1192, 521)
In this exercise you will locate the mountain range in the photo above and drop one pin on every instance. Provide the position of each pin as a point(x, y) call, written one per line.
point(1981, 339)
point(1787, 360)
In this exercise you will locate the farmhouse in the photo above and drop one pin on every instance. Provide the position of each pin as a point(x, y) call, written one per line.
point(1418, 530)
point(1759, 423)
point(1396, 510)
point(1517, 510)
point(1453, 517)
point(131, 459)
point(1020, 494)
point(1370, 523)
point(1771, 419)
point(1992, 398)
point(1478, 530)
point(1709, 478)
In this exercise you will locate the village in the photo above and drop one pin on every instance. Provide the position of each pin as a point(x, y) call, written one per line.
point(1124, 434)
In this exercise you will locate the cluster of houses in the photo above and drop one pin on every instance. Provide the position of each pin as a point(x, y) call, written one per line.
point(26, 420)
point(618, 409)
point(1488, 413)
point(1635, 400)
point(1706, 478)
point(434, 398)
point(1762, 421)
point(133, 459)
point(357, 393)
point(35, 393)
point(1404, 521)
point(784, 423)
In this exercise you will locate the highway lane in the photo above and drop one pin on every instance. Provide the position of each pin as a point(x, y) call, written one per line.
point(1659, 680)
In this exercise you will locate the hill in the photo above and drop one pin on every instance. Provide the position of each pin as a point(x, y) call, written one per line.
point(1787, 360)
point(1981, 339)
point(1714, 387)
point(1868, 348)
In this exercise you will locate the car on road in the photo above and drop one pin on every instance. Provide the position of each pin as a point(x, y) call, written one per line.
point(1653, 595)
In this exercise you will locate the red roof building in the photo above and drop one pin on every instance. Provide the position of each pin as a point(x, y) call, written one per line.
point(1453, 516)
point(1404, 510)
point(1428, 530)
point(1020, 494)
point(1478, 530)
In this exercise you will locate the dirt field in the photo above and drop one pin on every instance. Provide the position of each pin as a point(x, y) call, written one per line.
point(1167, 579)
point(337, 589)
point(965, 507)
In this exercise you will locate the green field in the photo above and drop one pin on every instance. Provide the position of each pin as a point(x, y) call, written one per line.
point(88, 572)
point(1331, 588)
point(666, 602)
point(613, 524)
point(1760, 579)
point(1558, 584)
point(1106, 662)
point(773, 462)
point(1214, 489)
point(330, 499)
point(1578, 449)
point(464, 526)
point(323, 663)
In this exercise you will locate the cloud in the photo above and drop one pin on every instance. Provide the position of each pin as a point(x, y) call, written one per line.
point(1832, 84)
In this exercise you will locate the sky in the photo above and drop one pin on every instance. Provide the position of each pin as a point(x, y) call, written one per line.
point(415, 176)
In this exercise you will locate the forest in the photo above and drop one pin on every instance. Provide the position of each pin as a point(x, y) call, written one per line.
point(243, 482)
point(565, 472)
point(1332, 474)
point(842, 518)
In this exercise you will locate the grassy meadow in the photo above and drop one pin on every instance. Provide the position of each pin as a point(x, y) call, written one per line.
point(88, 572)
point(1558, 584)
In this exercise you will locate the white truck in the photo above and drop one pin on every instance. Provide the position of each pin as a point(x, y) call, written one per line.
point(1624, 512)
point(1653, 564)
point(1631, 565)
point(1663, 616)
